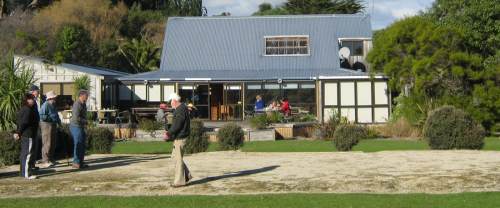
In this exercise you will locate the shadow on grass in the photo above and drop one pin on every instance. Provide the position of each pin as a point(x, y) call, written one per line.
point(233, 174)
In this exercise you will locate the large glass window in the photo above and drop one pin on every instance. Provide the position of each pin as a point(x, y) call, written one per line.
point(300, 95)
point(64, 92)
point(355, 46)
point(198, 95)
point(287, 45)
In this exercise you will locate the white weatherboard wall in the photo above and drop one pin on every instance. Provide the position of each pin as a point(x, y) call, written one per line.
point(48, 73)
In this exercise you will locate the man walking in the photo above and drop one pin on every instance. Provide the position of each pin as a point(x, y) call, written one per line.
point(179, 131)
point(49, 121)
point(77, 127)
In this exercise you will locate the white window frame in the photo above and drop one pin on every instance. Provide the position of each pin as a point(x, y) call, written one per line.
point(288, 36)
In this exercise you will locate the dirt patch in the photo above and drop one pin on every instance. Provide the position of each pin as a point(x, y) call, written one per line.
point(250, 173)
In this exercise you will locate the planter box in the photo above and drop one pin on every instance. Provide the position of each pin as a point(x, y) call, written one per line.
point(293, 130)
point(250, 135)
point(125, 133)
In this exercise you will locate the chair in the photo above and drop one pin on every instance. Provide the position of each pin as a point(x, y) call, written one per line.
point(122, 116)
point(66, 116)
point(101, 117)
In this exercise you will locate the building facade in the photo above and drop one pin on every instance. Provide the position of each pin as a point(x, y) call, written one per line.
point(60, 79)
point(220, 64)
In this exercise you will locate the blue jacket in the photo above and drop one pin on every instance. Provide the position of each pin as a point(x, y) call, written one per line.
point(259, 105)
point(48, 113)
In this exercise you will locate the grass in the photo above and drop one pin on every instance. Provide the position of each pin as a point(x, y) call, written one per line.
point(463, 200)
point(371, 145)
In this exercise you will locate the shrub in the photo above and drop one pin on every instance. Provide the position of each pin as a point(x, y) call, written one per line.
point(399, 128)
point(197, 140)
point(371, 132)
point(275, 117)
point(307, 118)
point(9, 149)
point(259, 121)
point(348, 135)
point(231, 137)
point(64, 144)
point(150, 126)
point(326, 130)
point(450, 128)
point(100, 140)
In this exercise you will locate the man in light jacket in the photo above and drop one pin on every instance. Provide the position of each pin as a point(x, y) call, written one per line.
point(49, 120)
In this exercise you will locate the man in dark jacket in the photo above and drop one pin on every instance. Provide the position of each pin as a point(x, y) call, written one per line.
point(77, 127)
point(27, 128)
point(179, 131)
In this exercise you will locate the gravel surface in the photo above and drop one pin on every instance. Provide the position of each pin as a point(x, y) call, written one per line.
point(252, 173)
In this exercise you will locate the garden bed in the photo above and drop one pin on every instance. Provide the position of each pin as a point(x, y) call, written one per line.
point(294, 130)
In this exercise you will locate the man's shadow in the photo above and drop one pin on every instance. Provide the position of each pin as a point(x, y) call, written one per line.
point(94, 164)
point(234, 174)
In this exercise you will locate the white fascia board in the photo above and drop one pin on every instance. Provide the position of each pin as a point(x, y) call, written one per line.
point(352, 77)
point(198, 79)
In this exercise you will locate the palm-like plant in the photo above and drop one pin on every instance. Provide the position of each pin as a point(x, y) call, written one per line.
point(142, 54)
point(17, 79)
point(81, 83)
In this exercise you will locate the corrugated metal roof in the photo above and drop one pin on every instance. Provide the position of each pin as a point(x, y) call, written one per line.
point(228, 75)
point(79, 68)
point(226, 48)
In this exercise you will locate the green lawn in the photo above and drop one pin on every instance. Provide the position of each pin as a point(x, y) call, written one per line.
point(463, 200)
point(372, 145)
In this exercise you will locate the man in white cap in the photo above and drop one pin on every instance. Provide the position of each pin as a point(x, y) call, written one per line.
point(49, 119)
point(179, 131)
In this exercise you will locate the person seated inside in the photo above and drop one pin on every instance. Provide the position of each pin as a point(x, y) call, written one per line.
point(274, 106)
point(285, 107)
point(161, 114)
point(193, 111)
point(259, 103)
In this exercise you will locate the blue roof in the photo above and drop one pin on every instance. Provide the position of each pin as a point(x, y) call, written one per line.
point(226, 48)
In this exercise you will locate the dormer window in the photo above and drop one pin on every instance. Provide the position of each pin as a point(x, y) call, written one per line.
point(287, 45)
point(355, 46)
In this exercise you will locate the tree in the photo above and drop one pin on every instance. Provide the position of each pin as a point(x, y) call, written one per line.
point(100, 18)
point(265, 7)
point(16, 78)
point(142, 55)
point(480, 21)
point(433, 64)
point(313, 7)
point(74, 45)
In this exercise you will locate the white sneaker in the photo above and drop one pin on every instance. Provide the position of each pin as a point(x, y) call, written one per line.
point(33, 177)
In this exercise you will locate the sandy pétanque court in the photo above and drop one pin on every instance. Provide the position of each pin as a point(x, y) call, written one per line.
point(251, 173)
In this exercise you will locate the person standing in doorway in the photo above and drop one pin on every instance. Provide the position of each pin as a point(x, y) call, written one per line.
point(77, 127)
point(179, 131)
point(27, 128)
point(49, 120)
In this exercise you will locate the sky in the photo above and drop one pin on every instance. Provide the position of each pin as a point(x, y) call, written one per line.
point(383, 12)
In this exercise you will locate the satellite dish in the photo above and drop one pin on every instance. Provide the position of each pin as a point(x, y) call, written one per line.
point(344, 52)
